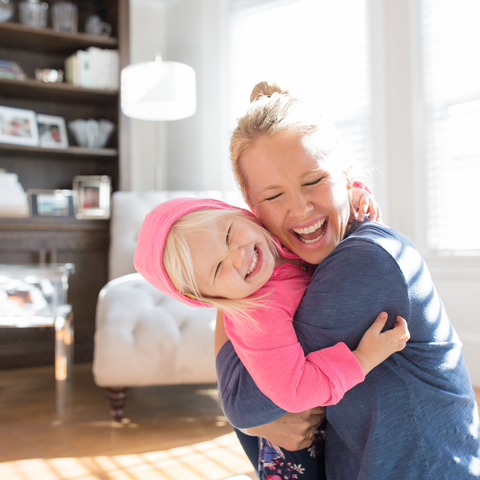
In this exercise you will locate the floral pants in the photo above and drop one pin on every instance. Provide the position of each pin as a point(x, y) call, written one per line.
point(275, 463)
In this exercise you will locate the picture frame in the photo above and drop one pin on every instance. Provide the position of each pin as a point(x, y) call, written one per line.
point(18, 126)
point(52, 203)
point(52, 131)
point(93, 193)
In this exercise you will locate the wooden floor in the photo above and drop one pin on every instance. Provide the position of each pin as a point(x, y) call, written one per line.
point(172, 432)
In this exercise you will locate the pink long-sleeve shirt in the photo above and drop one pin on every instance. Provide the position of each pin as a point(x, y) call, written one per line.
point(275, 359)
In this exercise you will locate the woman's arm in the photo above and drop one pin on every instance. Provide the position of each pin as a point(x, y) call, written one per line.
point(276, 360)
point(291, 430)
point(341, 306)
point(220, 335)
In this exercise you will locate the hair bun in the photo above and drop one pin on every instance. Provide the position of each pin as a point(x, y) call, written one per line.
point(265, 89)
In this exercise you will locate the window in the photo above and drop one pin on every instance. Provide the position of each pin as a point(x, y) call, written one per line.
point(316, 50)
point(451, 84)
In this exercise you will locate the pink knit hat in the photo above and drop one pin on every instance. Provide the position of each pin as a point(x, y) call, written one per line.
point(153, 235)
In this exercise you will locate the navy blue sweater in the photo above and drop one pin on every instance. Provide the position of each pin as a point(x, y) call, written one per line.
point(414, 417)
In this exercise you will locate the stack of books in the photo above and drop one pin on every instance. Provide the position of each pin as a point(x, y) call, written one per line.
point(94, 68)
point(13, 199)
point(11, 70)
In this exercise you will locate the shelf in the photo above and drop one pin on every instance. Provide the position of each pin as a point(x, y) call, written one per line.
point(56, 223)
point(61, 92)
point(47, 40)
point(70, 152)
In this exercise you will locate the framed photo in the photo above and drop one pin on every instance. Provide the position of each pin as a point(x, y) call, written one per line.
point(52, 131)
point(93, 194)
point(18, 126)
point(52, 203)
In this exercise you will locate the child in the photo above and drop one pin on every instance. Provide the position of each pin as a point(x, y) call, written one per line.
point(205, 252)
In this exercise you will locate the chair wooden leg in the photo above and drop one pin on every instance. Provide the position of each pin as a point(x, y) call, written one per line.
point(117, 397)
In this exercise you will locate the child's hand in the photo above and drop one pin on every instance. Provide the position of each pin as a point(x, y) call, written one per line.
point(376, 346)
point(363, 203)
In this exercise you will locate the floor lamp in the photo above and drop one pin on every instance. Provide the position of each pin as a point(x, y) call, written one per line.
point(158, 91)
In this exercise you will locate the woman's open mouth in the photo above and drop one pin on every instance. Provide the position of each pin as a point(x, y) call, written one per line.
point(253, 265)
point(313, 233)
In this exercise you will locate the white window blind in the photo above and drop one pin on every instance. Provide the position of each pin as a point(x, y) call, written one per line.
point(315, 49)
point(451, 72)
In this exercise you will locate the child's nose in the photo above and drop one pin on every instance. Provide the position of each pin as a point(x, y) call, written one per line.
point(237, 257)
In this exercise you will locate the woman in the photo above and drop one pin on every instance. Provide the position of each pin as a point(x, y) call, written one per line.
point(415, 416)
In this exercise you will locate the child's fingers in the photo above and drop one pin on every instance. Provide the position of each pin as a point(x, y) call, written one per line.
point(373, 209)
point(379, 323)
point(400, 330)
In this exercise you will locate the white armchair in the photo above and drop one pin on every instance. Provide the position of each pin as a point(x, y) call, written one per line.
point(143, 337)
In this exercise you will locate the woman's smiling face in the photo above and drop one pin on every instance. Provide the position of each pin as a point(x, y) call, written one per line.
point(301, 198)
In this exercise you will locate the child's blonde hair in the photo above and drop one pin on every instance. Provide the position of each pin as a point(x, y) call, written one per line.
point(178, 263)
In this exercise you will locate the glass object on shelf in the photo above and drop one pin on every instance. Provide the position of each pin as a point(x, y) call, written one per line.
point(65, 17)
point(33, 13)
point(95, 26)
point(6, 10)
point(49, 75)
point(91, 133)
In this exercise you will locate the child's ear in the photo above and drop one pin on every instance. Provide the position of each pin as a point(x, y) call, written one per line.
point(250, 206)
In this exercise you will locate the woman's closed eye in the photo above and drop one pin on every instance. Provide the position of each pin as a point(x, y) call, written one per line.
point(318, 180)
point(273, 197)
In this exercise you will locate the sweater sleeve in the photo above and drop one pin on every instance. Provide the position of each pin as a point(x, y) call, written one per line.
point(339, 306)
point(244, 405)
point(277, 363)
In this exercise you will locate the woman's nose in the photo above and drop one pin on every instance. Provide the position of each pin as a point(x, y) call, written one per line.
point(299, 206)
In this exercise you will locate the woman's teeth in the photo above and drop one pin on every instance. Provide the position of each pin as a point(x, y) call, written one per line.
point(254, 262)
point(308, 230)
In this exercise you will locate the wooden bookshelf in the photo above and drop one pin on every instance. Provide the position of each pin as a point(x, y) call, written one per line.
point(82, 242)
point(19, 37)
point(57, 92)
point(70, 152)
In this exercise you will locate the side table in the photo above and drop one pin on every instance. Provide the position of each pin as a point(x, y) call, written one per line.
point(36, 296)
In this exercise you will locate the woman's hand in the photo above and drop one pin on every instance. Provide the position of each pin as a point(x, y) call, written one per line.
point(376, 346)
point(293, 431)
point(363, 203)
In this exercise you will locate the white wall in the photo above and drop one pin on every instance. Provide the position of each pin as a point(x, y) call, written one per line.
point(148, 142)
point(192, 153)
point(192, 31)
point(197, 146)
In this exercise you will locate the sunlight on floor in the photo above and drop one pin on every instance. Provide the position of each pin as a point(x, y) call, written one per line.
point(213, 460)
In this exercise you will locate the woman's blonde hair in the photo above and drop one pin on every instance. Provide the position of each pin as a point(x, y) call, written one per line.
point(273, 110)
point(178, 262)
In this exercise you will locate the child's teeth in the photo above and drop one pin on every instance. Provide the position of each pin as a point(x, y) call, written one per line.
point(254, 262)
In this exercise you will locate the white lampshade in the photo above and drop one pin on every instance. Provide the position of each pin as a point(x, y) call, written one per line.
point(158, 90)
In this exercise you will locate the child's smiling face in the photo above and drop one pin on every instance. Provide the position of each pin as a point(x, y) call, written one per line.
point(232, 259)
